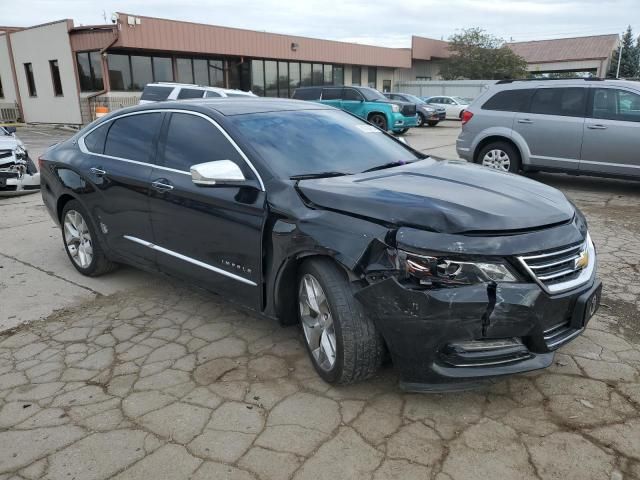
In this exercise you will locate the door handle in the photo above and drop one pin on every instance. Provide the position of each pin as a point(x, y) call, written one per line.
point(597, 127)
point(98, 172)
point(162, 185)
point(525, 120)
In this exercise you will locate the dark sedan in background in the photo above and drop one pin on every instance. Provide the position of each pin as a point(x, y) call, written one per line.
point(427, 114)
point(304, 213)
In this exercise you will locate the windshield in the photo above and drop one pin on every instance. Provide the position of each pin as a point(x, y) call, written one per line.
point(371, 94)
point(308, 142)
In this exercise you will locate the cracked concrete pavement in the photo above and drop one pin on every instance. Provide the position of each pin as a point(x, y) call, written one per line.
point(138, 378)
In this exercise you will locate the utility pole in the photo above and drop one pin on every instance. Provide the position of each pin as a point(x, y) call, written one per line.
point(619, 61)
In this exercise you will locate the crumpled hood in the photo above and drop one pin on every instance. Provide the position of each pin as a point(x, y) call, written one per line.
point(443, 196)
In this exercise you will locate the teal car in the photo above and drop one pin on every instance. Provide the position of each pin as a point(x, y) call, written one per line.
point(366, 103)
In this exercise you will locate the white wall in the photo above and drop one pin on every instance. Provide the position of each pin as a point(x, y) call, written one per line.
point(419, 68)
point(37, 46)
point(6, 74)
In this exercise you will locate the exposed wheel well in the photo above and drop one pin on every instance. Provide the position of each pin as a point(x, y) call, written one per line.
point(286, 293)
point(492, 139)
point(62, 201)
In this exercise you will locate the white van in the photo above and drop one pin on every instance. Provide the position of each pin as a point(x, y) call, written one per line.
point(161, 91)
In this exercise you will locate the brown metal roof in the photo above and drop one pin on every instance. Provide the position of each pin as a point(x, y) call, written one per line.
point(423, 48)
point(194, 38)
point(566, 49)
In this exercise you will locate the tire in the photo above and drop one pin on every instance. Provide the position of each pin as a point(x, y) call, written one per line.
point(492, 156)
point(432, 123)
point(379, 121)
point(76, 235)
point(403, 131)
point(359, 348)
point(421, 121)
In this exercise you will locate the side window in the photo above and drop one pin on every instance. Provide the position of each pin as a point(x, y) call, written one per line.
point(211, 94)
point(613, 104)
point(331, 93)
point(509, 101)
point(190, 93)
point(565, 102)
point(351, 94)
point(95, 140)
point(307, 94)
point(133, 137)
point(435, 100)
point(192, 140)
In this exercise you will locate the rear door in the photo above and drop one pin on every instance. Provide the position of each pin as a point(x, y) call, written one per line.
point(552, 126)
point(209, 235)
point(612, 133)
point(353, 101)
point(120, 166)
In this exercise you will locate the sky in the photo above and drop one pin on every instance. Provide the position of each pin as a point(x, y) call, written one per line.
point(386, 23)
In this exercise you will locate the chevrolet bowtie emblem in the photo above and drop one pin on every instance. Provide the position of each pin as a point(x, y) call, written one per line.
point(582, 261)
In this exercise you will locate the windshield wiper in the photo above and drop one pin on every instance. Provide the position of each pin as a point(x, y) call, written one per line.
point(309, 176)
point(397, 163)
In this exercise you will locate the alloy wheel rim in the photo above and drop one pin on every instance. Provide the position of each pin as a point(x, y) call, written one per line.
point(77, 239)
point(419, 121)
point(317, 322)
point(378, 121)
point(497, 159)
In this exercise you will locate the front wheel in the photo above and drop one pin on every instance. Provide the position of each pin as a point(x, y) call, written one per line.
point(379, 121)
point(342, 341)
point(81, 242)
point(403, 131)
point(420, 120)
point(500, 156)
point(432, 123)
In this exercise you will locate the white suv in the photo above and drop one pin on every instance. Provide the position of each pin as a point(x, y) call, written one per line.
point(160, 91)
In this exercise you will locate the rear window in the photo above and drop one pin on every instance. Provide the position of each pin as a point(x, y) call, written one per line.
point(307, 94)
point(509, 101)
point(154, 93)
point(565, 102)
point(190, 93)
point(211, 94)
point(94, 142)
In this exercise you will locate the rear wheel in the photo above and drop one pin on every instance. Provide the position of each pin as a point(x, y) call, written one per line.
point(404, 130)
point(501, 156)
point(81, 242)
point(379, 121)
point(342, 341)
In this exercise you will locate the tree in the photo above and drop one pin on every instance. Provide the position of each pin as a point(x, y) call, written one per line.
point(477, 55)
point(629, 61)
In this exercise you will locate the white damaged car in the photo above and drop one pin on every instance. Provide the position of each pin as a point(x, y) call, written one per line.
point(18, 174)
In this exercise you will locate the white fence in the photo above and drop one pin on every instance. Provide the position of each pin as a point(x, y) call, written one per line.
point(430, 88)
point(9, 112)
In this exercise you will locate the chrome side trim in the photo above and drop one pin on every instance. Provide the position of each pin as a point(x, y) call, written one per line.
point(190, 260)
point(83, 147)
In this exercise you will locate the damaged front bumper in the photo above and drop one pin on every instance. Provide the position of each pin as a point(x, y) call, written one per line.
point(18, 178)
point(444, 339)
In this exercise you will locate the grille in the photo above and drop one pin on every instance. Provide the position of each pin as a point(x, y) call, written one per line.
point(559, 334)
point(558, 270)
point(409, 110)
point(6, 153)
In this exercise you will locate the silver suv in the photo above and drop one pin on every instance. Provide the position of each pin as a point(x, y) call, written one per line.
point(581, 126)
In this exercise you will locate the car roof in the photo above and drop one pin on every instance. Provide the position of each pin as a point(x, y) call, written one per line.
point(231, 105)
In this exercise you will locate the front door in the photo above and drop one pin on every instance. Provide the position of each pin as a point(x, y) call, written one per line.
point(122, 156)
point(353, 102)
point(552, 127)
point(612, 133)
point(210, 235)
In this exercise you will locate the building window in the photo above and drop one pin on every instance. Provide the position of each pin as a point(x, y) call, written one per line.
point(185, 70)
point(1, 90)
point(294, 76)
point(200, 71)
point(31, 83)
point(328, 74)
point(216, 73)
point(305, 75)
point(372, 74)
point(141, 72)
point(386, 86)
point(338, 75)
point(162, 69)
point(283, 79)
point(55, 78)
point(356, 75)
point(318, 77)
point(90, 71)
point(257, 77)
point(271, 78)
point(119, 72)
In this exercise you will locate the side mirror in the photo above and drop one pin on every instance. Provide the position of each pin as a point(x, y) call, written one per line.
point(219, 172)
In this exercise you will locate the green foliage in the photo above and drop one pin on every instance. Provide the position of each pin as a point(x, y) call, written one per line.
point(477, 55)
point(630, 61)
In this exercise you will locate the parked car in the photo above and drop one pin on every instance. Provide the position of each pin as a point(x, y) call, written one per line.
point(366, 103)
point(304, 213)
point(427, 114)
point(161, 91)
point(454, 106)
point(589, 127)
point(18, 173)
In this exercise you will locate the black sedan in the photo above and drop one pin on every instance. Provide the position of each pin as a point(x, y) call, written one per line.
point(304, 213)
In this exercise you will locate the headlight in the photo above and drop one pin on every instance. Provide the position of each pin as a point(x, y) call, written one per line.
point(428, 110)
point(20, 153)
point(440, 271)
point(395, 108)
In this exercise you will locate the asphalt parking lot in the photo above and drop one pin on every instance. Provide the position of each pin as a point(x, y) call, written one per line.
point(130, 376)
